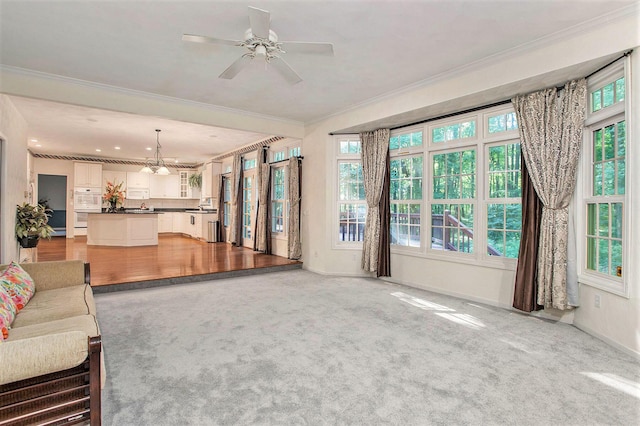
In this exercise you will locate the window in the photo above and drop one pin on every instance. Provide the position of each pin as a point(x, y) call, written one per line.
point(294, 152)
point(452, 220)
point(227, 200)
point(604, 207)
point(277, 201)
point(502, 122)
point(351, 202)
point(249, 164)
point(607, 95)
point(503, 206)
point(450, 132)
point(277, 156)
point(352, 205)
point(406, 188)
point(247, 189)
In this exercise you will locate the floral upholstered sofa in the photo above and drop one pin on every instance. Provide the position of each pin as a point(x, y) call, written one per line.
point(51, 365)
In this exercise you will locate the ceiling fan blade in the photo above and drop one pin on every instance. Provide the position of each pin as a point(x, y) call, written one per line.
point(287, 72)
point(204, 39)
point(260, 21)
point(307, 47)
point(235, 67)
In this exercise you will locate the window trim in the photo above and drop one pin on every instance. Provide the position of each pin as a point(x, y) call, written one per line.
point(285, 203)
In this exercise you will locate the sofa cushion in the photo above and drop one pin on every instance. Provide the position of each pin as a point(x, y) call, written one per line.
point(7, 313)
point(85, 323)
point(47, 354)
point(18, 284)
point(60, 303)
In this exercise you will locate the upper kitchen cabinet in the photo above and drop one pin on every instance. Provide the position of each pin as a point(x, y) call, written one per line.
point(210, 176)
point(161, 186)
point(115, 178)
point(137, 180)
point(186, 190)
point(87, 175)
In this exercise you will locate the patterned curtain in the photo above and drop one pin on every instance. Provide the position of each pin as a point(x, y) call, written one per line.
point(221, 230)
point(235, 220)
point(375, 146)
point(551, 137)
point(262, 240)
point(294, 171)
point(262, 204)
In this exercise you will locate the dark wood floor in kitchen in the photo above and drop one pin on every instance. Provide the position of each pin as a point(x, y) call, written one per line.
point(174, 258)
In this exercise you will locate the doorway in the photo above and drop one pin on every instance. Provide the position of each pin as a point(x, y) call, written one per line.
point(52, 193)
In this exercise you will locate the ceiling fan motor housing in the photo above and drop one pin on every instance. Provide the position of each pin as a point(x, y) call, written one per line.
point(261, 46)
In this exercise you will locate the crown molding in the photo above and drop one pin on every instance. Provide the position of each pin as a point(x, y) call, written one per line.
point(138, 93)
point(584, 27)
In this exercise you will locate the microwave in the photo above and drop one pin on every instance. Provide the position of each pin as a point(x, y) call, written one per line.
point(137, 194)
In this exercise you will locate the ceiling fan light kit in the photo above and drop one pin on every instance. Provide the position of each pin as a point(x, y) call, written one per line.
point(261, 40)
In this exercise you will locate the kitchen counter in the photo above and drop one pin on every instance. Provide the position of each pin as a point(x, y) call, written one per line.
point(126, 229)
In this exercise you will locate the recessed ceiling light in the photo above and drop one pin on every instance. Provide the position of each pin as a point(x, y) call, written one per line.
point(98, 150)
point(148, 149)
point(116, 147)
point(93, 120)
point(38, 146)
point(177, 160)
point(34, 140)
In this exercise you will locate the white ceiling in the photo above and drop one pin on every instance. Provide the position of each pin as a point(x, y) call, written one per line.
point(380, 47)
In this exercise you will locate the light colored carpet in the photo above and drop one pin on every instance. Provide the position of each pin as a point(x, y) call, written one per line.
point(297, 348)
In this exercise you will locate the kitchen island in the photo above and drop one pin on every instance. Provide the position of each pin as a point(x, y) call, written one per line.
point(122, 229)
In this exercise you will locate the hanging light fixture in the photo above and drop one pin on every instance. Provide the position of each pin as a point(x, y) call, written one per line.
point(157, 167)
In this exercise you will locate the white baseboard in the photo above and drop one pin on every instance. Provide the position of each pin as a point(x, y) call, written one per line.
point(609, 341)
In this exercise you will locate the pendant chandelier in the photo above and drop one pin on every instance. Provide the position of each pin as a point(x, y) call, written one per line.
point(156, 167)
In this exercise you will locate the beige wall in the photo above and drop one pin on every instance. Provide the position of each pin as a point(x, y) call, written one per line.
point(13, 132)
point(617, 320)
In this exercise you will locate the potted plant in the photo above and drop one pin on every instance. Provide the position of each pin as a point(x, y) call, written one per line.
point(195, 180)
point(32, 224)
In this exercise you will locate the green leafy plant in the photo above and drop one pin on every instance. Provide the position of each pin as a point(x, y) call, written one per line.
point(195, 180)
point(32, 221)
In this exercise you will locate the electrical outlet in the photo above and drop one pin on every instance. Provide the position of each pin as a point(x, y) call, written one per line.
point(596, 301)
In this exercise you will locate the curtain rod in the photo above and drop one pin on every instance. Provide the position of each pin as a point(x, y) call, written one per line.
point(491, 105)
point(299, 157)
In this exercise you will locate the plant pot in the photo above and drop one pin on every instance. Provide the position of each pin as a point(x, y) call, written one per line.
point(29, 242)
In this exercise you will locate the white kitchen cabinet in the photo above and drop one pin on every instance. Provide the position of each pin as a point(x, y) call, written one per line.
point(165, 222)
point(115, 177)
point(87, 175)
point(137, 180)
point(164, 186)
point(178, 222)
point(207, 184)
point(187, 191)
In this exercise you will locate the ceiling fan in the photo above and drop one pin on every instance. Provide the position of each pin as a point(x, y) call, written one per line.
point(261, 40)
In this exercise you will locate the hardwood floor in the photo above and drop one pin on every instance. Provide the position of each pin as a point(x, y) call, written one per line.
point(174, 257)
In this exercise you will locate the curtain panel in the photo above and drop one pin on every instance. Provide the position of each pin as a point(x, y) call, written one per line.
point(235, 220)
point(375, 146)
point(221, 230)
point(525, 293)
point(551, 137)
point(294, 171)
point(384, 255)
point(262, 241)
point(262, 204)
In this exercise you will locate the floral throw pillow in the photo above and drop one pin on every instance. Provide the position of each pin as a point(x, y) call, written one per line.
point(7, 314)
point(18, 284)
